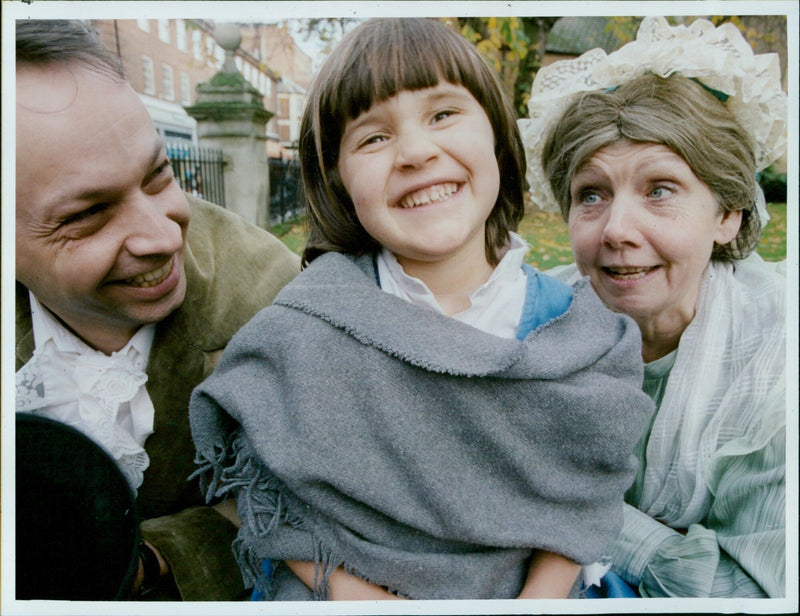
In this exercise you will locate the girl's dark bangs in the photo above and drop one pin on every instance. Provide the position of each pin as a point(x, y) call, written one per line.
point(385, 66)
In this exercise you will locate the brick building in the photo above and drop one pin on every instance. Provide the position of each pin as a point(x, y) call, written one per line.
point(165, 59)
point(273, 45)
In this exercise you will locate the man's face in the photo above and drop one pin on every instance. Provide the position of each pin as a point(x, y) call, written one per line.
point(100, 220)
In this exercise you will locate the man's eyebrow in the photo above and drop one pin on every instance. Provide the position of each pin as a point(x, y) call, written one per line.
point(101, 193)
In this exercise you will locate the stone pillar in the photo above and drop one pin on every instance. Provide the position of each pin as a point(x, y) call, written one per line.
point(230, 115)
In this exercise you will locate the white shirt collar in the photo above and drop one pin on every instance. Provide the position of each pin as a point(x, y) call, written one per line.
point(496, 305)
point(48, 327)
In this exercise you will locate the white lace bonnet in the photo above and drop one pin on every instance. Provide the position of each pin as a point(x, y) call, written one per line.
point(718, 57)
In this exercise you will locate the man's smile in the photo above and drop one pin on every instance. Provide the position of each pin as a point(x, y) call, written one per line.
point(151, 278)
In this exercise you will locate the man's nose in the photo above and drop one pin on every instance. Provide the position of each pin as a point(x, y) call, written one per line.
point(156, 225)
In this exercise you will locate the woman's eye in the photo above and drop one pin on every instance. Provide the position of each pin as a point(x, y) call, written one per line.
point(659, 192)
point(588, 198)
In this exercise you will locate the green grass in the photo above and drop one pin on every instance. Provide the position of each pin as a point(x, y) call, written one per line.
point(293, 235)
point(773, 240)
point(549, 240)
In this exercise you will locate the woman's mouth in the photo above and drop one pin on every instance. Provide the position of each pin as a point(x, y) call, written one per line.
point(428, 195)
point(627, 273)
point(151, 278)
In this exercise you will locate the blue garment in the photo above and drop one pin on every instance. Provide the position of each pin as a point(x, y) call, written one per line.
point(546, 299)
point(267, 569)
point(611, 587)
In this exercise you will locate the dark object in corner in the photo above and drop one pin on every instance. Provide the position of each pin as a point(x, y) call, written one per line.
point(76, 523)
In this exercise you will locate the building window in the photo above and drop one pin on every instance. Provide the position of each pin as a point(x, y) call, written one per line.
point(186, 90)
point(180, 34)
point(144, 24)
point(197, 44)
point(149, 75)
point(169, 83)
point(163, 30)
point(269, 88)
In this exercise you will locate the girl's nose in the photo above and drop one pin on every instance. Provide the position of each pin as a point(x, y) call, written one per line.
point(415, 148)
point(157, 225)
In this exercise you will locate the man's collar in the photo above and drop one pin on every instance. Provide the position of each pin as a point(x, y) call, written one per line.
point(46, 327)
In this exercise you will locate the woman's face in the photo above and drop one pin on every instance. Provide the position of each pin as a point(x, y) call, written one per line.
point(642, 227)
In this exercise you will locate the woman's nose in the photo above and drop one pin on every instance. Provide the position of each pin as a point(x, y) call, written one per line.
point(621, 224)
point(157, 225)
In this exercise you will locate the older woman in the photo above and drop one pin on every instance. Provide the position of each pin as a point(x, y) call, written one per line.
point(651, 154)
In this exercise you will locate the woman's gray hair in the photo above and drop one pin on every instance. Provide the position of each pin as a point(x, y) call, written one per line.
point(676, 112)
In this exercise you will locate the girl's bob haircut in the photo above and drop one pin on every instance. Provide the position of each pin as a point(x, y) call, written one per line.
point(377, 60)
point(674, 111)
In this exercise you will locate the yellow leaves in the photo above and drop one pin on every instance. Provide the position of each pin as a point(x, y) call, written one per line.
point(503, 41)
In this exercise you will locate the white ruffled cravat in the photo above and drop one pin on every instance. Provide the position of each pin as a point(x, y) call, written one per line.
point(103, 396)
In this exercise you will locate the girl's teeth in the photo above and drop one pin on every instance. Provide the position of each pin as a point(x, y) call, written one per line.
point(431, 194)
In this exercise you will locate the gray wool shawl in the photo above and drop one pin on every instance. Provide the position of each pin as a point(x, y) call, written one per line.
point(417, 452)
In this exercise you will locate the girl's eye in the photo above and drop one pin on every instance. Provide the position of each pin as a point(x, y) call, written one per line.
point(441, 115)
point(371, 140)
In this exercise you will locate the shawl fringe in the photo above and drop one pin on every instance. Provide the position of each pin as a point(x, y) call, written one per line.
point(231, 468)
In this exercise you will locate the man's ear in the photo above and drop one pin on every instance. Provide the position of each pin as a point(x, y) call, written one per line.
point(728, 226)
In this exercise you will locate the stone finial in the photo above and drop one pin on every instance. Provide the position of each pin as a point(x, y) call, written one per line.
point(229, 37)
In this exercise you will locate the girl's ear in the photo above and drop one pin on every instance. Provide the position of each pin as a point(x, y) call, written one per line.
point(728, 226)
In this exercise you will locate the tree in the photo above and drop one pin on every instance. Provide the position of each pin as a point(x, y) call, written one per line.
point(513, 46)
point(326, 31)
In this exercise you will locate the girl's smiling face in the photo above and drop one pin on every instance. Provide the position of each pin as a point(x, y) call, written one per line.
point(642, 227)
point(421, 170)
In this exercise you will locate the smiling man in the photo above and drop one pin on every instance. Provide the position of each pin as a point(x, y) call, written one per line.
point(127, 291)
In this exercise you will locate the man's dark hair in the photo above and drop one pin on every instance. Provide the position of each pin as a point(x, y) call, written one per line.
point(59, 41)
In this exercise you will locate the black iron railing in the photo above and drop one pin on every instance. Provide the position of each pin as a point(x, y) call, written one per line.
point(198, 170)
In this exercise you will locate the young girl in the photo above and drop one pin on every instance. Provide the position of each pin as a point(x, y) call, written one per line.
point(420, 415)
